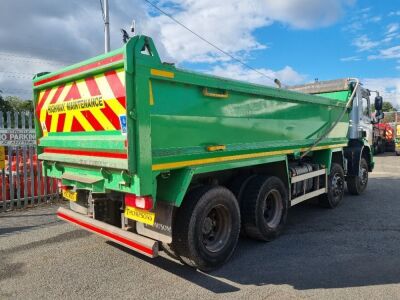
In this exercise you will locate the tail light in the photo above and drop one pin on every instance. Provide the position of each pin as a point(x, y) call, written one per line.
point(142, 202)
point(62, 187)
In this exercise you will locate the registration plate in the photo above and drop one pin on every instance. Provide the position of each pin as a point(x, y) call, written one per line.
point(69, 195)
point(139, 215)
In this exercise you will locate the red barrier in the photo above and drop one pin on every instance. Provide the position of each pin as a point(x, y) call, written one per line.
point(7, 185)
point(51, 187)
point(50, 184)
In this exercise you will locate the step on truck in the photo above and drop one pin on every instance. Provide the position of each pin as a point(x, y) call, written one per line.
point(156, 158)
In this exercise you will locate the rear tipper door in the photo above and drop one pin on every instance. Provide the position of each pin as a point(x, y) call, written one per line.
point(81, 116)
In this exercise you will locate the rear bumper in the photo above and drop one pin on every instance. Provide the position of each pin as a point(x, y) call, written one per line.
point(127, 239)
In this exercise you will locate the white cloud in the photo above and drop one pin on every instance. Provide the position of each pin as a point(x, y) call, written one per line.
point(229, 24)
point(287, 75)
point(388, 87)
point(350, 58)
point(363, 43)
point(306, 14)
point(71, 31)
point(389, 53)
point(392, 28)
point(360, 18)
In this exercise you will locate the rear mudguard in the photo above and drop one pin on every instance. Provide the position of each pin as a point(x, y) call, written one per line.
point(353, 153)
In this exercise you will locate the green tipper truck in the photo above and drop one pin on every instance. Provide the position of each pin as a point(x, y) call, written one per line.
point(154, 157)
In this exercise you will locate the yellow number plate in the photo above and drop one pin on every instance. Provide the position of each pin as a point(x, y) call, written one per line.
point(139, 215)
point(71, 196)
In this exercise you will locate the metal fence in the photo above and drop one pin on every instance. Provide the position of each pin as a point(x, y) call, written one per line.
point(22, 183)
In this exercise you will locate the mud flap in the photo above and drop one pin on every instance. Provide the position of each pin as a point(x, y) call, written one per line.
point(162, 228)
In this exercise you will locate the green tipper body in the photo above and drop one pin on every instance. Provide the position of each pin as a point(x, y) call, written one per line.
point(178, 124)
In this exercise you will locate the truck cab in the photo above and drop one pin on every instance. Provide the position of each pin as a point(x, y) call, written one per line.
point(359, 153)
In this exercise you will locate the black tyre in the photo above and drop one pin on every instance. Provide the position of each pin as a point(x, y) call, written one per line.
point(376, 149)
point(356, 185)
point(238, 185)
point(335, 187)
point(265, 206)
point(398, 153)
point(381, 146)
point(207, 228)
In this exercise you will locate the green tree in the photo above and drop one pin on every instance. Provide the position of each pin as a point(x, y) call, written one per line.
point(14, 104)
point(388, 106)
point(19, 104)
point(4, 104)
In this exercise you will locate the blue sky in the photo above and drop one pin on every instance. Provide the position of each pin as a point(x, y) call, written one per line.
point(293, 40)
point(362, 40)
point(343, 49)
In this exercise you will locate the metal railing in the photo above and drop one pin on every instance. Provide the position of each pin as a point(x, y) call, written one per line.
point(22, 183)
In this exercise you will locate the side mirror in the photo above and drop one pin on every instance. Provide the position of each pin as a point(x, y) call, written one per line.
point(378, 103)
point(379, 115)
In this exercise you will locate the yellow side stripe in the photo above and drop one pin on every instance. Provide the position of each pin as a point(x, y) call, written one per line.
point(162, 73)
point(151, 98)
point(196, 162)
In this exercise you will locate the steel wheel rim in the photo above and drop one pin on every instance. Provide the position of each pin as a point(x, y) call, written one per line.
point(272, 210)
point(337, 185)
point(216, 228)
point(363, 176)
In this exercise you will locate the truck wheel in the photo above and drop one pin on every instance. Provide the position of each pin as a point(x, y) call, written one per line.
point(356, 185)
point(237, 187)
point(381, 146)
point(265, 206)
point(207, 228)
point(335, 187)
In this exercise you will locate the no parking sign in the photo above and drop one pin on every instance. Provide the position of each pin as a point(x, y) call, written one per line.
point(17, 137)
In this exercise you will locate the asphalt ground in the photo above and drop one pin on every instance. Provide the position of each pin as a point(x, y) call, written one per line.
point(351, 252)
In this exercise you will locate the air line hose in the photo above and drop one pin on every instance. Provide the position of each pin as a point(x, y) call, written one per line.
point(348, 104)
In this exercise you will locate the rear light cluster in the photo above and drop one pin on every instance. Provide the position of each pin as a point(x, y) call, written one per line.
point(62, 187)
point(142, 202)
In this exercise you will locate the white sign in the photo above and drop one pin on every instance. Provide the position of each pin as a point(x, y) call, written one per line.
point(17, 137)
